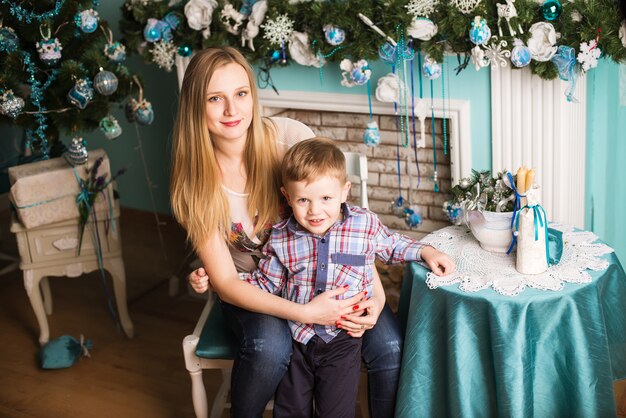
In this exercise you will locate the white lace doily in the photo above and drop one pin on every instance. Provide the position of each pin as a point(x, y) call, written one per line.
point(478, 269)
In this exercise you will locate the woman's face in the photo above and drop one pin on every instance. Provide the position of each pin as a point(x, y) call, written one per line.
point(229, 103)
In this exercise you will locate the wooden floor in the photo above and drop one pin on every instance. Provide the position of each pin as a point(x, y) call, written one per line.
point(142, 377)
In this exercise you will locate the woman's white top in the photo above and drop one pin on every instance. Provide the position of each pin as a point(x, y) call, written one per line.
point(244, 246)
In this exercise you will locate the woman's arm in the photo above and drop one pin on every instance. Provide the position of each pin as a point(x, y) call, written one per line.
point(324, 309)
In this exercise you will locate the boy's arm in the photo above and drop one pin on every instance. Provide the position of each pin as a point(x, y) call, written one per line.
point(270, 275)
point(394, 248)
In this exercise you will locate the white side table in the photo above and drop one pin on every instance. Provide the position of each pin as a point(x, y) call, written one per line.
point(52, 250)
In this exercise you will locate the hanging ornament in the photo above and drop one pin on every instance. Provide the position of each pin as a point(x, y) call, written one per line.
point(589, 54)
point(371, 136)
point(388, 88)
point(507, 12)
point(551, 10)
point(152, 31)
point(334, 35)
point(87, 20)
point(397, 206)
point(163, 53)
point(565, 62)
point(144, 114)
point(110, 127)
point(255, 18)
point(479, 58)
point(9, 42)
point(105, 82)
point(76, 153)
point(479, 32)
point(431, 69)
point(422, 29)
point(49, 51)
point(454, 212)
point(496, 54)
point(622, 33)
point(115, 51)
point(231, 19)
point(10, 104)
point(300, 51)
point(81, 94)
point(542, 41)
point(278, 31)
point(185, 50)
point(422, 8)
point(466, 6)
point(412, 217)
point(520, 54)
point(354, 74)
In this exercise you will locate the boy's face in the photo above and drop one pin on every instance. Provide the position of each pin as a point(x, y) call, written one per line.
point(316, 205)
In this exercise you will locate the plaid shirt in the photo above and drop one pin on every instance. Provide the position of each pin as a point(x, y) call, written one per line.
point(299, 265)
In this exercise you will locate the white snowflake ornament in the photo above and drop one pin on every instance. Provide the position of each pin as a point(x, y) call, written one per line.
point(588, 55)
point(163, 54)
point(496, 54)
point(278, 30)
point(466, 6)
point(421, 8)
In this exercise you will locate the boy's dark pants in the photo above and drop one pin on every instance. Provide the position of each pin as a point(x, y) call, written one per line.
point(325, 372)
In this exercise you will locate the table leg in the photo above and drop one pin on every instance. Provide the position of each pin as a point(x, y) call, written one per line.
point(115, 266)
point(47, 295)
point(31, 284)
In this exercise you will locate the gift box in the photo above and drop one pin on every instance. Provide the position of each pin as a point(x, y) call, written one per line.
point(45, 191)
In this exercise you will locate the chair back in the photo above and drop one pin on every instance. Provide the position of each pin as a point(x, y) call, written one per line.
point(356, 168)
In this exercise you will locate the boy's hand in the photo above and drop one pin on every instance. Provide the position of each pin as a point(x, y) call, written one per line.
point(439, 262)
point(199, 280)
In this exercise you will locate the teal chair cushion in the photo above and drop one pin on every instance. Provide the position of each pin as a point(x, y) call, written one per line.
point(217, 340)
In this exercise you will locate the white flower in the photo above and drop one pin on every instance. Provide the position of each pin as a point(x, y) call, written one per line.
point(422, 29)
point(199, 14)
point(300, 50)
point(388, 88)
point(622, 33)
point(542, 43)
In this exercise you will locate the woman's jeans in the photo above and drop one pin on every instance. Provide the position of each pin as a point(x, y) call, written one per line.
point(265, 350)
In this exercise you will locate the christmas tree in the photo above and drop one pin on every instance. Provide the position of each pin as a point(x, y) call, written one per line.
point(61, 71)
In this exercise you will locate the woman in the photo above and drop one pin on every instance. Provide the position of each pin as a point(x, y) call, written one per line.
point(225, 193)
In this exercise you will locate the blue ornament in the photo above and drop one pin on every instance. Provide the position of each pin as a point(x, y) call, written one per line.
point(9, 42)
point(87, 20)
point(105, 82)
point(334, 35)
point(110, 127)
point(169, 23)
point(246, 7)
point(371, 136)
point(397, 206)
point(81, 94)
point(520, 54)
point(152, 31)
point(115, 51)
point(431, 69)
point(10, 104)
point(389, 53)
point(454, 212)
point(412, 216)
point(49, 51)
point(361, 72)
point(480, 32)
point(144, 114)
point(76, 153)
point(274, 56)
point(551, 9)
point(185, 51)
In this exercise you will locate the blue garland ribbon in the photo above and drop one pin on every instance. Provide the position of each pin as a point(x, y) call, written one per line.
point(539, 220)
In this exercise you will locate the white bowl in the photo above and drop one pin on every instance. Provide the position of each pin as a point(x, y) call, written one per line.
point(491, 229)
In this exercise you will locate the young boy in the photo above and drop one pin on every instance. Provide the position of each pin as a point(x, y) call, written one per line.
point(323, 245)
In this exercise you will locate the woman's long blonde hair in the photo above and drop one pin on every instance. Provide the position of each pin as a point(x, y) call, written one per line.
point(198, 200)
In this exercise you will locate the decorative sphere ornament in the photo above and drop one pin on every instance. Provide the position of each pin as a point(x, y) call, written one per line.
point(110, 127)
point(185, 50)
point(334, 35)
point(87, 20)
point(551, 10)
point(397, 206)
point(105, 82)
point(115, 51)
point(371, 136)
point(9, 41)
point(10, 104)
point(520, 54)
point(153, 30)
point(49, 51)
point(431, 69)
point(454, 212)
point(81, 94)
point(144, 114)
point(479, 32)
point(76, 153)
point(412, 216)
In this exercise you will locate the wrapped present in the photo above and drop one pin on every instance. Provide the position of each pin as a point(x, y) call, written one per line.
point(532, 236)
point(46, 191)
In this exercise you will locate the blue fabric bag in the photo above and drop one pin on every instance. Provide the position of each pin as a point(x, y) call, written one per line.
point(63, 352)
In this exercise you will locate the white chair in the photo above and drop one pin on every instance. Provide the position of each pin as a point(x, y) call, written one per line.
point(212, 344)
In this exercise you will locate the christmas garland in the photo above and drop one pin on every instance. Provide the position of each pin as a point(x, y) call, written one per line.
point(555, 39)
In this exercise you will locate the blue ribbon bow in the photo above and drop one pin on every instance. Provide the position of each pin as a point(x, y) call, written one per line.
point(539, 220)
point(565, 62)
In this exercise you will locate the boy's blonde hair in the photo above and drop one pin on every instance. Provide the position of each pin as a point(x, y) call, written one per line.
point(313, 158)
point(198, 200)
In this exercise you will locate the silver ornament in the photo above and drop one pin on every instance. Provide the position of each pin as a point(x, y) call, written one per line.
point(10, 104)
point(105, 82)
point(76, 154)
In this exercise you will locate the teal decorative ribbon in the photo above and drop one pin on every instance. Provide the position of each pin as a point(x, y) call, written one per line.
point(539, 220)
point(565, 62)
point(516, 209)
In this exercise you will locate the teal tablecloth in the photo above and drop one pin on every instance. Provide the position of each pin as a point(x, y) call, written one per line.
point(538, 354)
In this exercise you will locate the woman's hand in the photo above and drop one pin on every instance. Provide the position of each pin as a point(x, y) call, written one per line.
point(199, 280)
point(439, 262)
point(363, 317)
point(325, 309)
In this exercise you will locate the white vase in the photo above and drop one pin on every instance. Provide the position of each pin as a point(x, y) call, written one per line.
point(491, 229)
